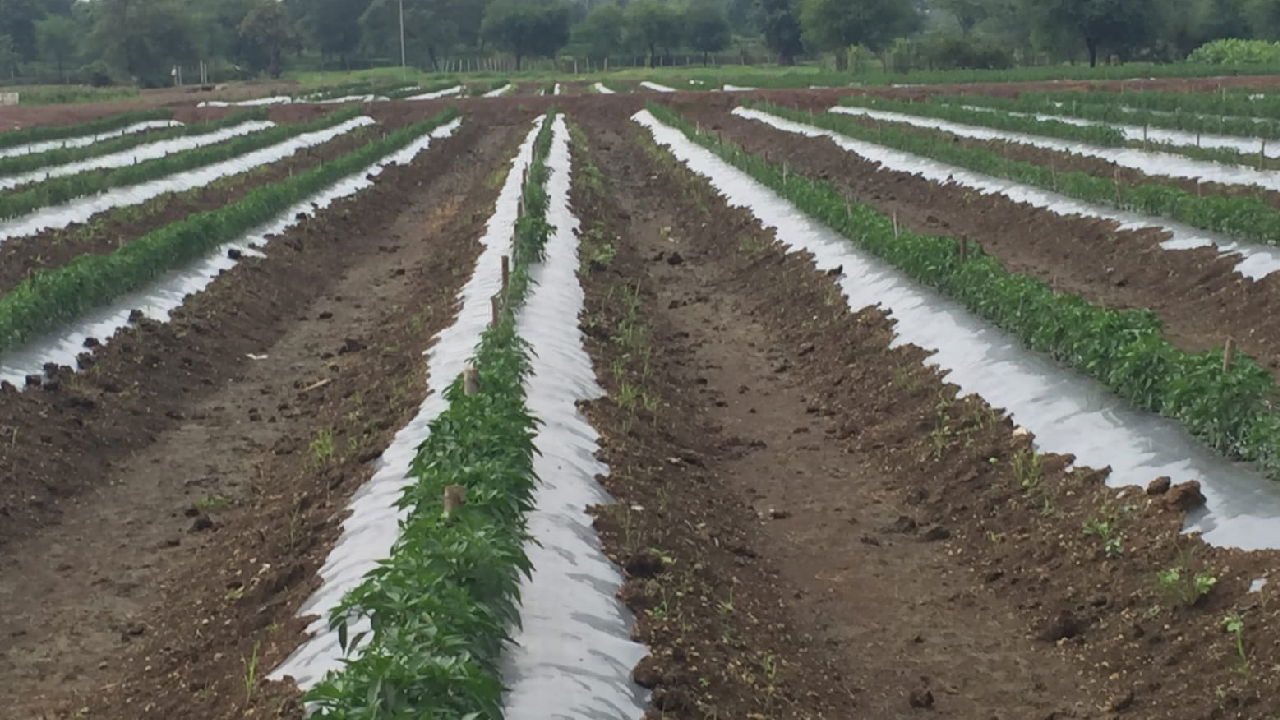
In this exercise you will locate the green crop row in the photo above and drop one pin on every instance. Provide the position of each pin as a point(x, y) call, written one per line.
point(1210, 105)
point(53, 297)
point(1095, 135)
point(403, 93)
point(1244, 217)
point(47, 133)
point(1114, 112)
point(1232, 410)
point(442, 606)
point(46, 193)
point(61, 156)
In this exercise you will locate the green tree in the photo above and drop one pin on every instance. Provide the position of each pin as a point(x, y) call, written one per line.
point(1198, 22)
point(968, 13)
point(334, 25)
point(527, 29)
point(145, 38)
point(600, 34)
point(652, 24)
point(18, 20)
point(56, 38)
point(268, 29)
point(8, 57)
point(779, 24)
point(1101, 24)
point(706, 28)
point(1264, 17)
point(836, 25)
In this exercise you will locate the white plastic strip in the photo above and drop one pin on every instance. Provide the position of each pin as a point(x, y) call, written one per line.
point(435, 94)
point(1256, 260)
point(1202, 116)
point(656, 87)
point(369, 533)
point(737, 88)
point(602, 89)
point(1068, 412)
point(84, 140)
point(572, 656)
point(499, 92)
point(1153, 163)
point(82, 209)
point(556, 90)
point(1155, 134)
point(347, 99)
point(137, 154)
point(162, 297)
point(277, 100)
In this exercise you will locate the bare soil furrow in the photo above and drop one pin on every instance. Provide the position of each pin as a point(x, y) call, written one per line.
point(801, 497)
point(214, 455)
point(21, 257)
point(1196, 293)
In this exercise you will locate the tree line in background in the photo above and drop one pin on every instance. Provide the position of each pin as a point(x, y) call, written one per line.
point(141, 41)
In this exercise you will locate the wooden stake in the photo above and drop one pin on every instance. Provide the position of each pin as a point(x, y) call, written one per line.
point(506, 274)
point(470, 380)
point(895, 223)
point(1229, 355)
point(495, 305)
point(455, 496)
point(964, 249)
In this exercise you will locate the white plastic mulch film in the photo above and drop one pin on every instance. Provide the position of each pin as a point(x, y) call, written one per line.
point(84, 140)
point(1160, 135)
point(656, 87)
point(369, 533)
point(572, 656)
point(1068, 413)
point(275, 100)
point(436, 94)
point(162, 297)
point(83, 208)
point(1150, 162)
point(602, 89)
point(1256, 260)
point(499, 92)
point(137, 154)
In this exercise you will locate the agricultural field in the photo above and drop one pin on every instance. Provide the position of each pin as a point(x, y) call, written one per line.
point(665, 396)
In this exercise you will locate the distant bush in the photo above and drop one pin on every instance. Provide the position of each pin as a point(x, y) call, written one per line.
point(1236, 52)
point(948, 52)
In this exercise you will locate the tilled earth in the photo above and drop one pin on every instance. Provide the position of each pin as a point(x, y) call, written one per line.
point(168, 503)
point(1196, 293)
point(812, 523)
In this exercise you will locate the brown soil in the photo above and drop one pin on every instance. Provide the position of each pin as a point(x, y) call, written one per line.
point(812, 523)
point(816, 526)
point(1196, 293)
point(21, 257)
point(200, 510)
point(1074, 162)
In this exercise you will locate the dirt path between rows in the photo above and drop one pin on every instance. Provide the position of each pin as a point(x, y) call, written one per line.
point(106, 232)
point(187, 556)
point(893, 614)
point(1196, 293)
point(822, 516)
point(1074, 162)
